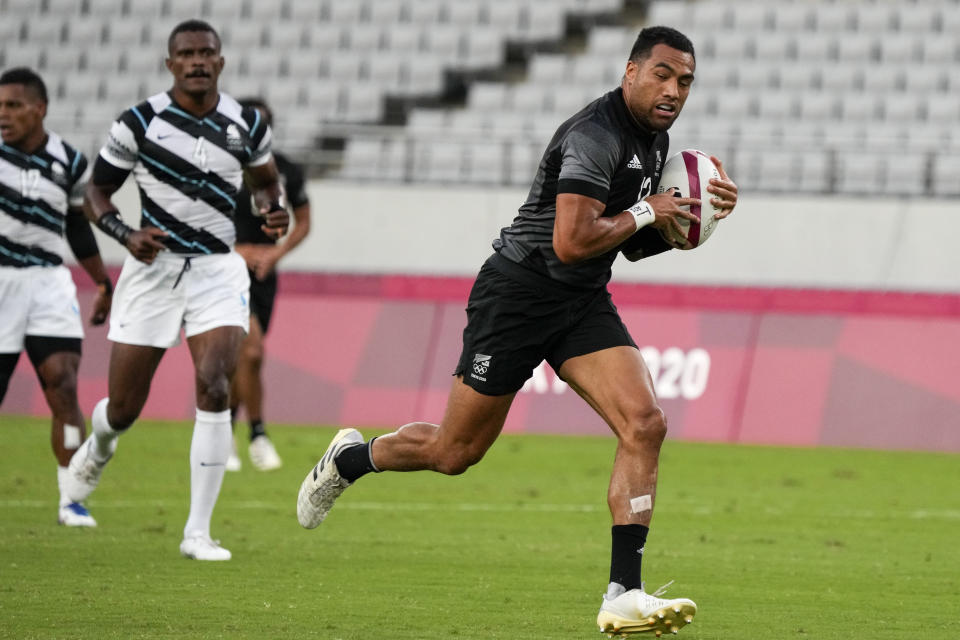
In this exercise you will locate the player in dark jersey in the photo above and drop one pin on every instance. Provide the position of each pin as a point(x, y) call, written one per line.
point(189, 149)
point(41, 192)
point(542, 296)
point(262, 252)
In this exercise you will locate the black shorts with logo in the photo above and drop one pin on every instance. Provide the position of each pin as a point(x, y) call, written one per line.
point(516, 318)
point(263, 293)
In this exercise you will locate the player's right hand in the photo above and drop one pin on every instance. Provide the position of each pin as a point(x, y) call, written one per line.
point(667, 208)
point(144, 244)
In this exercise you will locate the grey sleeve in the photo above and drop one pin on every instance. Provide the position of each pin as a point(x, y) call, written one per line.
point(589, 154)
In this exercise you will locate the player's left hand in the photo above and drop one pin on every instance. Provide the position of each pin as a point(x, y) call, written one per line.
point(725, 191)
point(266, 262)
point(101, 306)
point(276, 221)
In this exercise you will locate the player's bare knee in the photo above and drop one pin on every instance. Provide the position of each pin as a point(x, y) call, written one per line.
point(454, 462)
point(646, 428)
point(253, 354)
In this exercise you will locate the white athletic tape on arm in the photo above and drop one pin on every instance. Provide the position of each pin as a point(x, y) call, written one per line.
point(641, 503)
point(642, 213)
point(71, 437)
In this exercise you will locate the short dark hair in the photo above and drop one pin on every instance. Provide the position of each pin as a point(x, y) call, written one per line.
point(652, 36)
point(258, 103)
point(28, 78)
point(188, 26)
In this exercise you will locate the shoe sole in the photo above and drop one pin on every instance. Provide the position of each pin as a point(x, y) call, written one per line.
point(307, 487)
point(665, 620)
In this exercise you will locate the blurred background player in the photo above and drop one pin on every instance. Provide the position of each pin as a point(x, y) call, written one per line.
point(188, 149)
point(262, 252)
point(542, 295)
point(41, 192)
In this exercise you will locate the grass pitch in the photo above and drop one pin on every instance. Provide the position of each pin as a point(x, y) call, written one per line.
point(771, 543)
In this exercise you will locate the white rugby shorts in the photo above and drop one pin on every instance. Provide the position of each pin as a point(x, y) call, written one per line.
point(37, 301)
point(150, 306)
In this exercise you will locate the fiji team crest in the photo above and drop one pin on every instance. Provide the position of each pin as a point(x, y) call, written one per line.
point(481, 363)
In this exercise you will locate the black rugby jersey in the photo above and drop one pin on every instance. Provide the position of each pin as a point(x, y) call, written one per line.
point(189, 170)
point(248, 221)
point(600, 152)
point(36, 191)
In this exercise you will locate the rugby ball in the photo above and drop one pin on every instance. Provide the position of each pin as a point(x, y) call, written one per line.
point(689, 172)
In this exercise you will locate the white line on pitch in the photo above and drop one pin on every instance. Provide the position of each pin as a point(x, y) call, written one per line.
point(532, 507)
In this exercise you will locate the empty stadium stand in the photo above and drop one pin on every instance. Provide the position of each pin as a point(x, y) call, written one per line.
point(854, 96)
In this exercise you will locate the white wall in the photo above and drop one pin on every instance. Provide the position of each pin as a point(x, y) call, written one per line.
point(769, 240)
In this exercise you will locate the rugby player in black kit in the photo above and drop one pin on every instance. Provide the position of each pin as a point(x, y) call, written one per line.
point(542, 296)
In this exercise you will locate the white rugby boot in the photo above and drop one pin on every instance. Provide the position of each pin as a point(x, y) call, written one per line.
point(84, 470)
point(323, 483)
point(75, 515)
point(264, 455)
point(201, 547)
point(233, 460)
point(636, 611)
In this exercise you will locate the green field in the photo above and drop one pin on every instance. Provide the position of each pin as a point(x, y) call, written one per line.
point(771, 543)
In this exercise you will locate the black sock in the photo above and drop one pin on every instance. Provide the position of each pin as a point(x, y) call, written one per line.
point(257, 429)
point(355, 461)
point(626, 554)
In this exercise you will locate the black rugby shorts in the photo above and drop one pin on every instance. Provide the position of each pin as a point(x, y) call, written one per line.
point(263, 293)
point(516, 318)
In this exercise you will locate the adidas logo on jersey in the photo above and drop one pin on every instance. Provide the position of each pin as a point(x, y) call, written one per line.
point(635, 163)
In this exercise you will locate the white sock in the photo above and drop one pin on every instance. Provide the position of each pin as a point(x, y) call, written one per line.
point(209, 450)
point(103, 433)
point(62, 473)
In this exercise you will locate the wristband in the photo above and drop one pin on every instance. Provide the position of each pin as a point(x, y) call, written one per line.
point(642, 213)
point(111, 224)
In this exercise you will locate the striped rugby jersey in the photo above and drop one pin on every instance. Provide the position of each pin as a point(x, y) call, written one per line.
point(36, 190)
point(189, 170)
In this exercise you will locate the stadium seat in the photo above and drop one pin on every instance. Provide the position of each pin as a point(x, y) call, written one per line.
point(814, 172)
point(669, 13)
point(925, 79)
point(360, 102)
point(916, 18)
point(861, 173)
point(831, 18)
point(104, 8)
point(775, 105)
point(362, 158)
point(59, 60)
point(483, 48)
point(799, 76)
point(817, 105)
point(463, 13)
point(856, 47)
point(906, 176)
point(943, 107)
point(225, 11)
point(242, 35)
point(528, 98)
point(147, 11)
point(45, 29)
point(874, 18)
point(343, 67)
point(382, 70)
point(103, 60)
point(261, 63)
point(773, 46)
point(750, 17)
point(793, 17)
point(899, 48)
point(64, 9)
point(321, 38)
point(179, 10)
point(540, 21)
point(124, 32)
point(882, 78)
point(84, 32)
point(946, 168)
point(144, 61)
point(80, 87)
point(502, 16)
point(421, 75)
point(402, 38)
point(815, 47)
point(842, 77)
point(484, 162)
point(487, 96)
